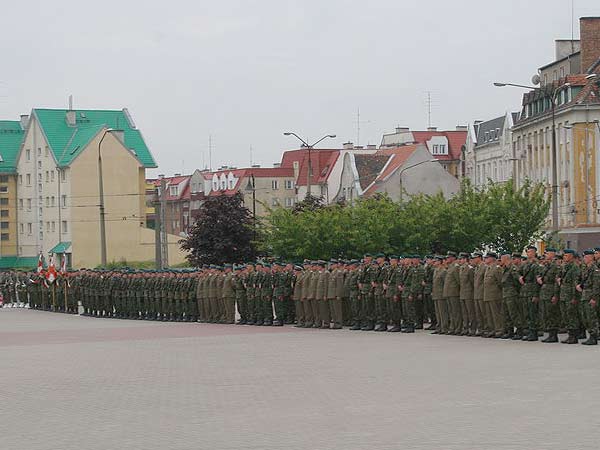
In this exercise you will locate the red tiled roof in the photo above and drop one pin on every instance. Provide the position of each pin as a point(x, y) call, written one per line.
point(456, 139)
point(181, 180)
point(240, 174)
point(322, 161)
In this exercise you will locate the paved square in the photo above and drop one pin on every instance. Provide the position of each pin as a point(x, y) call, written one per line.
point(69, 382)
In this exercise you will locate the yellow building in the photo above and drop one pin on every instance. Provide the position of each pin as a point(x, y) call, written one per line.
point(65, 157)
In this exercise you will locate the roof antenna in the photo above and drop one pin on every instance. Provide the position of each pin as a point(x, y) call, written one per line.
point(70, 102)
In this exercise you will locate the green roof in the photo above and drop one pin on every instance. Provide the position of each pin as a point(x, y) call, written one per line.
point(61, 247)
point(66, 142)
point(16, 262)
point(11, 137)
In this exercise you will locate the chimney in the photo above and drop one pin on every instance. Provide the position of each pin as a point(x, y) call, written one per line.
point(402, 130)
point(177, 175)
point(161, 176)
point(276, 165)
point(348, 145)
point(24, 121)
point(371, 147)
point(71, 119)
point(255, 166)
point(566, 47)
point(590, 41)
point(431, 128)
point(461, 128)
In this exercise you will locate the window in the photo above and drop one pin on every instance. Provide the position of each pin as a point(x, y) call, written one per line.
point(52, 175)
point(40, 165)
point(28, 178)
point(20, 179)
point(3, 189)
point(435, 149)
point(52, 203)
point(46, 152)
point(562, 72)
point(47, 201)
point(275, 184)
point(289, 184)
point(63, 175)
point(39, 177)
point(215, 185)
point(64, 226)
point(63, 201)
point(47, 176)
point(4, 236)
point(3, 201)
point(4, 213)
point(29, 227)
point(442, 149)
point(487, 136)
point(47, 227)
point(231, 183)
point(296, 165)
point(173, 191)
point(290, 201)
point(223, 185)
point(40, 187)
point(497, 133)
point(41, 212)
point(275, 202)
point(39, 151)
point(53, 226)
point(4, 225)
point(3, 178)
point(28, 204)
point(21, 228)
point(20, 203)
point(28, 154)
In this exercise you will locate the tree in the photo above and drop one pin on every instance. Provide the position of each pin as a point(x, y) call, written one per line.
point(223, 232)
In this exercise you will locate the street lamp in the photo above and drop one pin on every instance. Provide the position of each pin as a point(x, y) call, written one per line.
point(410, 167)
point(549, 94)
point(309, 146)
point(101, 195)
point(251, 187)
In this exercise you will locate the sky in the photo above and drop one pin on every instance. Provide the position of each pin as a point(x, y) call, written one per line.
point(239, 73)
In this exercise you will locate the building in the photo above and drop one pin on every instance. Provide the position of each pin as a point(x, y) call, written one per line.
point(489, 150)
point(576, 116)
point(66, 158)
point(262, 187)
point(177, 200)
point(395, 171)
point(445, 146)
point(11, 138)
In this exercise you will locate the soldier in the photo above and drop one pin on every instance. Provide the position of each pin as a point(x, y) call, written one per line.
point(228, 294)
point(513, 318)
point(589, 286)
point(452, 293)
point(351, 285)
point(379, 274)
point(266, 295)
point(492, 296)
point(366, 282)
point(394, 305)
point(239, 272)
point(249, 284)
point(428, 305)
point(569, 296)
point(530, 292)
point(467, 297)
point(478, 276)
point(297, 296)
point(437, 295)
point(549, 294)
point(335, 293)
point(280, 280)
point(321, 295)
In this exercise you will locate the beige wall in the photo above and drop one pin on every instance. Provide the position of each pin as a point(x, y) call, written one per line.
point(124, 193)
point(8, 247)
point(265, 194)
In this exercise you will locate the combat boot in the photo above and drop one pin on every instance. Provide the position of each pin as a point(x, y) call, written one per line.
point(531, 337)
point(409, 329)
point(394, 329)
point(552, 337)
point(592, 340)
point(508, 335)
point(337, 326)
point(355, 326)
point(367, 327)
point(518, 335)
point(267, 323)
point(381, 327)
point(572, 338)
point(277, 323)
point(582, 334)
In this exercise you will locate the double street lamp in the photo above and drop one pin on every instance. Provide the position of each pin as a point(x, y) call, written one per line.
point(549, 94)
point(309, 147)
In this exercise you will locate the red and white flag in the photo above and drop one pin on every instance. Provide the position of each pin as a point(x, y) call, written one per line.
point(40, 266)
point(51, 272)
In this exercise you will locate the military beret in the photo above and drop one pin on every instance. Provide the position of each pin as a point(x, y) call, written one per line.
point(477, 255)
point(463, 255)
point(597, 249)
point(531, 247)
point(367, 255)
point(451, 253)
point(393, 257)
point(491, 255)
point(505, 253)
point(516, 255)
point(227, 266)
point(440, 257)
point(550, 250)
point(569, 251)
point(333, 261)
point(380, 255)
point(428, 256)
point(589, 251)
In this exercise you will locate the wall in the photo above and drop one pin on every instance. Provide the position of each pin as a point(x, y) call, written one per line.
point(265, 194)
point(8, 247)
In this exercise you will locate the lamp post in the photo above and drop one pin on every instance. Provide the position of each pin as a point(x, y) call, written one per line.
point(309, 147)
point(549, 94)
point(101, 205)
point(410, 167)
point(251, 187)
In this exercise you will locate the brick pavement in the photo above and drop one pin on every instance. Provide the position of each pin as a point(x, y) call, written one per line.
point(71, 382)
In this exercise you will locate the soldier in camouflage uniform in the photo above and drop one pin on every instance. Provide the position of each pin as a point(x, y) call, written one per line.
point(589, 285)
point(394, 304)
point(366, 284)
point(569, 296)
point(513, 318)
point(530, 293)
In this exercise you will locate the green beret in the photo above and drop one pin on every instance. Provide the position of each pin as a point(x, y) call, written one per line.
point(569, 251)
point(476, 255)
point(550, 250)
point(463, 255)
point(531, 247)
point(380, 255)
point(451, 253)
point(491, 255)
point(597, 249)
point(367, 255)
point(516, 255)
point(589, 251)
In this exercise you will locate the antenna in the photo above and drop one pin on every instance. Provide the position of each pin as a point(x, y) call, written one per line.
point(251, 162)
point(428, 109)
point(70, 102)
point(358, 122)
point(210, 152)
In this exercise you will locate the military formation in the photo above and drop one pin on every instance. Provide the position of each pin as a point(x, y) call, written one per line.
point(507, 296)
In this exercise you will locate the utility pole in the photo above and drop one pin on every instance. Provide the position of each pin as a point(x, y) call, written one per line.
point(101, 206)
point(164, 243)
point(157, 231)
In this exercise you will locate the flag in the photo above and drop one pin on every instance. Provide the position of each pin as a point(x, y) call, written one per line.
point(51, 272)
point(63, 264)
point(40, 266)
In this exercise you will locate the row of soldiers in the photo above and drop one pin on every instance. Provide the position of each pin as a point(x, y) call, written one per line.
point(507, 296)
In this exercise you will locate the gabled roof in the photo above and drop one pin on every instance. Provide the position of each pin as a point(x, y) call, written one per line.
point(182, 181)
point(456, 140)
point(490, 127)
point(11, 138)
point(369, 167)
point(66, 141)
point(322, 162)
point(240, 174)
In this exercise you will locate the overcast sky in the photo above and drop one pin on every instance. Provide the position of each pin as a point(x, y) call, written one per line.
point(245, 71)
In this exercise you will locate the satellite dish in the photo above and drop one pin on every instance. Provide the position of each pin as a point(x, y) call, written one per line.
point(535, 79)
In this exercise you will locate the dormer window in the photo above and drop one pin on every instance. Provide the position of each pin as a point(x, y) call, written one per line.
point(173, 191)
